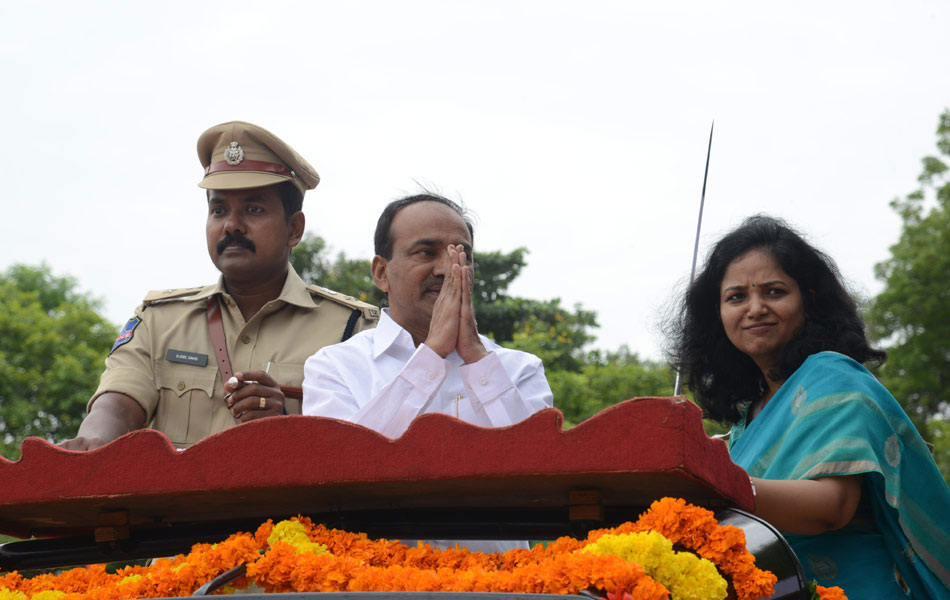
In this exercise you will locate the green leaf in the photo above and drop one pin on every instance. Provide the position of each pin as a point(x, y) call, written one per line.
point(911, 315)
point(53, 342)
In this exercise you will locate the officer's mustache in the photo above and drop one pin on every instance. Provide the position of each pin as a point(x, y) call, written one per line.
point(235, 239)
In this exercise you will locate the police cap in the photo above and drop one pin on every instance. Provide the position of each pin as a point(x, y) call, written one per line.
point(238, 155)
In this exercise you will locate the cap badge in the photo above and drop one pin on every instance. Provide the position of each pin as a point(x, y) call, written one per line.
point(234, 154)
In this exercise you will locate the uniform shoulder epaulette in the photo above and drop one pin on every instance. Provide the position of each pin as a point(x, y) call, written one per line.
point(369, 311)
point(159, 296)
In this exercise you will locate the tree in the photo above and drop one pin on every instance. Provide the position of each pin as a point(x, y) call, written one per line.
point(939, 430)
point(556, 335)
point(52, 345)
point(345, 275)
point(912, 315)
point(542, 327)
point(605, 379)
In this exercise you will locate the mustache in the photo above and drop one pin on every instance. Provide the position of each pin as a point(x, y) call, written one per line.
point(235, 239)
point(433, 281)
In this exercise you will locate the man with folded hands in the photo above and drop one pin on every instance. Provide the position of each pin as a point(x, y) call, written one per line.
point(426, 354)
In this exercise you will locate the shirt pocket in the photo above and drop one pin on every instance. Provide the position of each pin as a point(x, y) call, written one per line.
point(288, 374)
point(185, 408)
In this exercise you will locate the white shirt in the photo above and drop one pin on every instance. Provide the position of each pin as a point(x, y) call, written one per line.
point(381, 380)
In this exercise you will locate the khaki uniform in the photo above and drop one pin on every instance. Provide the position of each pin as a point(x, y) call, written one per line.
point(168, 364)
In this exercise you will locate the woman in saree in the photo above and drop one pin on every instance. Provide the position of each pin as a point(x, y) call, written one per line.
point(769, 340)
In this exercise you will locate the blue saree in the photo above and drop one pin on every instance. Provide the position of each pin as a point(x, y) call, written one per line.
point(832, 417)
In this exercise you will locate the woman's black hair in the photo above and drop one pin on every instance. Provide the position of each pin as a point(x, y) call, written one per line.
point(722, 378)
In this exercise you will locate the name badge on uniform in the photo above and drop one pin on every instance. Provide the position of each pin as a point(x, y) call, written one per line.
point(186, 358)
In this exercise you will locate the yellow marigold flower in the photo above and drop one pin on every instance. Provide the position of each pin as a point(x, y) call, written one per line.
point(687, 576)
point(295, 534)
point(7, 594)
point(695, 578)
point(128, 587)
point(48, 595)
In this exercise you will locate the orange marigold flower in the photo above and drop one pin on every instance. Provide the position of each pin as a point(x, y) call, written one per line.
point(357, 563)
point(830, 593)
point(696, 528)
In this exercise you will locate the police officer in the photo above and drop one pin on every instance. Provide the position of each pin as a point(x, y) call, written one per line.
point(192, 362)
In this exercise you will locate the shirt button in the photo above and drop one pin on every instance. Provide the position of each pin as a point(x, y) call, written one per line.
point(430, 375)
point(483, 381)
point(181, 385)
point(246, 339)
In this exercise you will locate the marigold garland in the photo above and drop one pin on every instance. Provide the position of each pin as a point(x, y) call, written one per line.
point(297, 555)
point(176, 577)
point(696, 529)
point(294, 532)
point(687, 576)
point(425, 568)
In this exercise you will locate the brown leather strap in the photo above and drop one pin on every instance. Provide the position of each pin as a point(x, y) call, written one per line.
point(249, 165)
point(292, 392)
point(216, 330)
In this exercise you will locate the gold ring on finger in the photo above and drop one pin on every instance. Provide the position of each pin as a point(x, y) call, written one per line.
point(263, 402)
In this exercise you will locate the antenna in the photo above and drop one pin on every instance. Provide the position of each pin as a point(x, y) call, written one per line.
point(699, 227)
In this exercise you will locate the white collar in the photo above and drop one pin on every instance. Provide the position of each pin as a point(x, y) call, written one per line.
point(388, 333)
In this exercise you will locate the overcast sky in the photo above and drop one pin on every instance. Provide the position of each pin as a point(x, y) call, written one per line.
point(576, 129)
